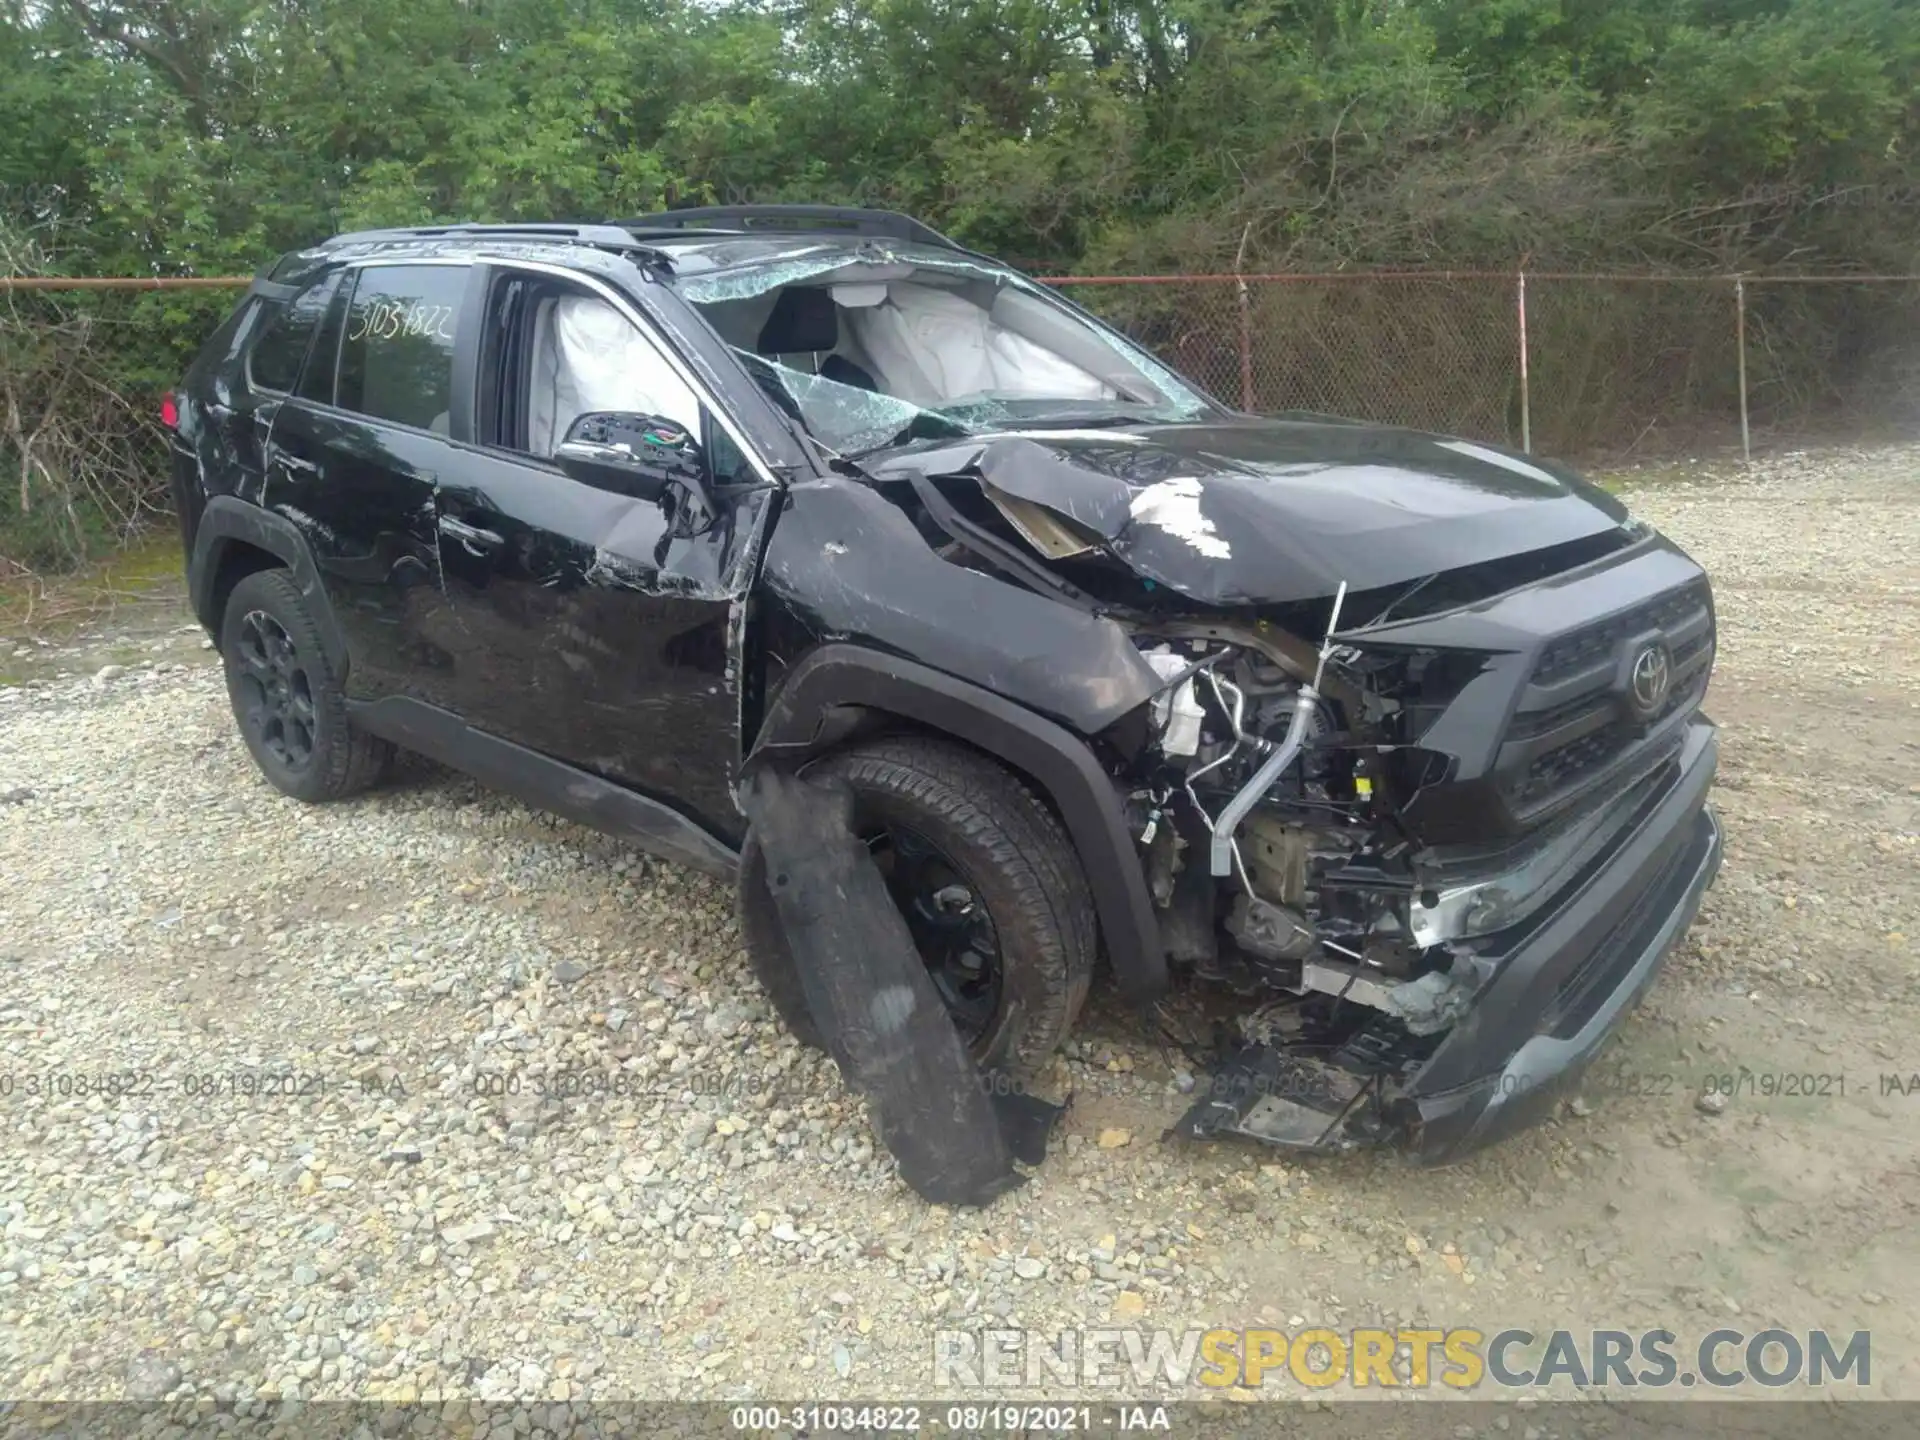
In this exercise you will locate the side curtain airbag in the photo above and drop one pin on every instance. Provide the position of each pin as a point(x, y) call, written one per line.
point(594, 359)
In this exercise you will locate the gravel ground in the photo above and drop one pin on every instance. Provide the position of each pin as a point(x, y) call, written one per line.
point(406, 1214)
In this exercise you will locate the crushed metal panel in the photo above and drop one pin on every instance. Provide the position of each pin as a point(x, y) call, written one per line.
point(1266, 1093)
point(1173, 505)
point(850, 565)
point(1276, 513)
point(866, 985)
point(1040, 528)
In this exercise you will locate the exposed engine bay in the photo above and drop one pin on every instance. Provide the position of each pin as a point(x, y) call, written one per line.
point(1347, 812)
point(1269, 834)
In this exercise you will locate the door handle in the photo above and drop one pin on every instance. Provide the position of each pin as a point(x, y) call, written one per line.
point(294, 462)
point(471, 536)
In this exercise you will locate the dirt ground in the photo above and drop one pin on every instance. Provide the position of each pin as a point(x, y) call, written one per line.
point(718, 1225)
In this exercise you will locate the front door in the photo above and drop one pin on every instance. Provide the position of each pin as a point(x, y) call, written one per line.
point(600, 624)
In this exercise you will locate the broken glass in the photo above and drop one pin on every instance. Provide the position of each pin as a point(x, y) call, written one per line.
point(852, 419)
point(846, 418)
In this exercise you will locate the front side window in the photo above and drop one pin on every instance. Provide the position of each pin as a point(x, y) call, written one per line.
point(568, 352)
point(587, 356)
point(396, 355)
point(274, 361)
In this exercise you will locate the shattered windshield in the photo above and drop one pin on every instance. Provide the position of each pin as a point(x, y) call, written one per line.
point(883, 346)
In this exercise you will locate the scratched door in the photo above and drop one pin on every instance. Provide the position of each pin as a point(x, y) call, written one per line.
point(594, 626)
point(354, 460)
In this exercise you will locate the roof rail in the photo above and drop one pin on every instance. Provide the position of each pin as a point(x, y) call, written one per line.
point(613, 236)
point(890, 224)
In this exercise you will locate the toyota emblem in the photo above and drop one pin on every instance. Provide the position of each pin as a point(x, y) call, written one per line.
point(1652, 678)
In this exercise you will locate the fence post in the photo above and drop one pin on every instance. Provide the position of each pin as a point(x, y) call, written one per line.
point(1740, 343)
point(1526, 395)
point(1246, 322)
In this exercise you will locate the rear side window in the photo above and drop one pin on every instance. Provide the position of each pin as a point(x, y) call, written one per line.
point(396, 356)
point(316, 381)
point(274, 361)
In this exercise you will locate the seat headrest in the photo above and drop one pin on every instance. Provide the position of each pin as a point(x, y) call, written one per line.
point(804, 318)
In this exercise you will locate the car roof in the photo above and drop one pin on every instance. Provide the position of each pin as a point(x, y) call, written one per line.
point(706, 238)
point(787, 221)
point(775, 226)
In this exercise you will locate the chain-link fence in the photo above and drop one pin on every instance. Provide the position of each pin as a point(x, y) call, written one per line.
point(1593, 367)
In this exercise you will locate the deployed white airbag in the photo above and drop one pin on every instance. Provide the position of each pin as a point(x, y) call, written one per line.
point(587, 356)
point(859, 297)
point(933, 347)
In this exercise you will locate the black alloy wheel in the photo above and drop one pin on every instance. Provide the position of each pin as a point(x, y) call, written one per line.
point(287, 697)
point(949, 922)
point(988, 883)
point(277, 696)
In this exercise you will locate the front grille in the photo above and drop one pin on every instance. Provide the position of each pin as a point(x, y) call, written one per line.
point(1557, 769)
point(1592, 644)
point(1579, 728)
point(1567, 766)
point(1520, 711)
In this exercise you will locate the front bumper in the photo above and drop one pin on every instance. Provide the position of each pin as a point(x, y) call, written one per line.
point(1561, 983)
point(1565, 984)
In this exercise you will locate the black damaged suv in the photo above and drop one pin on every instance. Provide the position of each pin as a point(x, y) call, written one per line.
point(1394, 738)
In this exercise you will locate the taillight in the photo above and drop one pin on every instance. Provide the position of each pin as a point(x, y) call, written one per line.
point(169, 411)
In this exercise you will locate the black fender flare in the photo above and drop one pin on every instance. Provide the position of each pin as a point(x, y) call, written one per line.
point(1059, 762)
point(226, 522)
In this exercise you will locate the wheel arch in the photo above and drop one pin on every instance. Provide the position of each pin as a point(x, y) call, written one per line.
point(234, 540)
point(818, 706)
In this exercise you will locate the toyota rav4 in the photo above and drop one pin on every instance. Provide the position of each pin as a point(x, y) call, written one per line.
point(1393, 738)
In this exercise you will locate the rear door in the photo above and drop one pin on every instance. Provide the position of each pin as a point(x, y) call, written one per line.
point(355, 457)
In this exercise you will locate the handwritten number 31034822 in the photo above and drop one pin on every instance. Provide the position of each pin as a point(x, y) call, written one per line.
point(391, 319)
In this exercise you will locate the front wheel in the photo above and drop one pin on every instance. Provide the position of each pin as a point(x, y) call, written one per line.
point(986, 879)
point(289, 704)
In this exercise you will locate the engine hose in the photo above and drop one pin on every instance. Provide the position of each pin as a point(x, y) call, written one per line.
point(1235, 810)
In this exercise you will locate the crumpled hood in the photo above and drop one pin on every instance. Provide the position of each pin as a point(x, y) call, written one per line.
point(1277, 511)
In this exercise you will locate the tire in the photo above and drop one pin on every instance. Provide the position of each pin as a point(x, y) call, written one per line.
point(1006, 851)
point(286, 698)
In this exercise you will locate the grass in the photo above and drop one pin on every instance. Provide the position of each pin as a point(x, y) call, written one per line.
point(55, 609)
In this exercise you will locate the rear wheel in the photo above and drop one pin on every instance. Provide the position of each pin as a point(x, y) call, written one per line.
point(986, 880)
point(289, 704)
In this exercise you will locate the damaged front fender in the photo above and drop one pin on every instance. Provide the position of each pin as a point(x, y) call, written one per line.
point(837, 677)
point(857, 589)
point(954, 1136)
point(847, 565)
